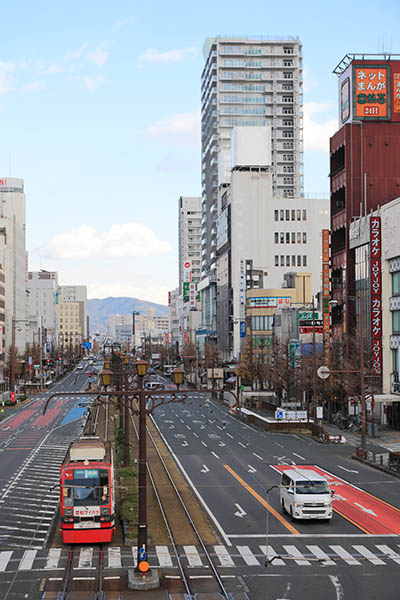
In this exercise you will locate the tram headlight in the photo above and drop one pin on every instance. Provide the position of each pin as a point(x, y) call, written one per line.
point(105, 510)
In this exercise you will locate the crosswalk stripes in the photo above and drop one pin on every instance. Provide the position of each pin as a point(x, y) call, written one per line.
point(281, 555)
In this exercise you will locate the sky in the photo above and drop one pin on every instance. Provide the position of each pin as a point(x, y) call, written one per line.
point(100, 116)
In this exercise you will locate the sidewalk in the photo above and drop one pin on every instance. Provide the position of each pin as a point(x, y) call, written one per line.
point(386, 440)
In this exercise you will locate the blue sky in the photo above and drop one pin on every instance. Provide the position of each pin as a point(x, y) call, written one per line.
point(99, 114)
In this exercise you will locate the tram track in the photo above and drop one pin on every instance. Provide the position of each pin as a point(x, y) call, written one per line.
point(92, 585)
point(177, 518)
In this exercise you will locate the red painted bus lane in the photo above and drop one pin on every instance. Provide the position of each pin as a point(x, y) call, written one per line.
point(13, 423)
point(365, 511)
point(46, 419)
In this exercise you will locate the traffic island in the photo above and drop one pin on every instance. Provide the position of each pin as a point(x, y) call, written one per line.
point(143, 581)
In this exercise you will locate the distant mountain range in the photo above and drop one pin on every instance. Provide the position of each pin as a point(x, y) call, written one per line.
point(100, 309)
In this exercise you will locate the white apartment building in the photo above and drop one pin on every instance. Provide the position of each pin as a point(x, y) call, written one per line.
point(43, 300)
point(189, 231)
point(260, 232)
point(13, 258)
point(174, 310)
point(120, 329)
point(251, 82)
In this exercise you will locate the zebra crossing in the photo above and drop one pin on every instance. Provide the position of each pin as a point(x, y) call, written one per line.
point(240, 556)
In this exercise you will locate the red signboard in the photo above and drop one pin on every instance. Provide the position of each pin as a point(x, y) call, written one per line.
point(326, 313)
point(12, 397)
point(376, 294)
point(372, 92)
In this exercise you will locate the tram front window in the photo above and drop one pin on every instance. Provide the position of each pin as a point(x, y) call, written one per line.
point(90, 487)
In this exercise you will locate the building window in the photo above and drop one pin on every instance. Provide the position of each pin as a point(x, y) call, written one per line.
point(304, 237)
point(293, 215)
point(287, 215)
point(304, 214)
point(287, 237)
point(282, 261)
point(276, 237)
point(304, 261)
point(298, 260)
point(299, 237)
point(298, 214)
point(288, 50)
point(276, 215)
point(396, 283)
point(287, 261)
point(293, 260)
point(288, 62)
point(287, 111)
point(396, 321)
point(276, 260)
point(293, 237)
point(282, 215)
point(282, 237)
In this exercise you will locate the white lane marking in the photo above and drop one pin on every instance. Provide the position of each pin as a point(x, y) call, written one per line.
point(269, 554)
point(195, 434)
point(280, 445)
point(205, 469)
point(192, 556)
point(299, 558)
point(240, 512)
point(321, 555)
point(389, 552)
point(219, 427)
point(85, 559)
point(241, 444)
point(134, 554)
point(221, 444)
point(369, 555)
point(346, 556)
point(257, 456)
point(4, 558)
point(251, 469)
point(184, 443)
point(225, 558)
point(247, 556)
point(188, 427)
point(163, 556)
point(204, 444)
point(367, 510)
point(214, 454)
point(53, 558)
point(298, 456)
point(348, 470)
point(231, 436)
point(114, 557)
point(27, 560)
point(338, 586)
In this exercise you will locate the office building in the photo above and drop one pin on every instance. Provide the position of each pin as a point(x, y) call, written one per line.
point(72, 316)
point(13, 258)
point(43, 301)
point(252, 83)
point(189, 226)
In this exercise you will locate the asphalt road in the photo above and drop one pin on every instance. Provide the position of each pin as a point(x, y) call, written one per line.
point(233, 468)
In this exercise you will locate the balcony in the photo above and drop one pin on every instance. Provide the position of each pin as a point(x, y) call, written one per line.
point(338, 220)
point(395, 383)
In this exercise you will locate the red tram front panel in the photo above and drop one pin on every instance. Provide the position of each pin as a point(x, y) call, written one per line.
point(87, 507)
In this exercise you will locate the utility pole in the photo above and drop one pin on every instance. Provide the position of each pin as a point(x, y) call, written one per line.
point(314, 365)
point(41, 354)
point(362, 373)
point(12, 357)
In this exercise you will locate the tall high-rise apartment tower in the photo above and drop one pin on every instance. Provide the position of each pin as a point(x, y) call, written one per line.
point(247, 82)
point(189, 237)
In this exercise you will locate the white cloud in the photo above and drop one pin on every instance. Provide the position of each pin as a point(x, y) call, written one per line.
point(92, 83)
point(55, 68)
point(121, 241)
point(6, 80)
point(317, 131)
point(34, 86)
point(76, 54)
point(98, 57)
point(183, 127)
point(170, 56)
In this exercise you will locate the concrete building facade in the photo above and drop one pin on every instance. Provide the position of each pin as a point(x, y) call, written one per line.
point(13, 258)
point(246, 82)
point(43, 306)
point(189, 231)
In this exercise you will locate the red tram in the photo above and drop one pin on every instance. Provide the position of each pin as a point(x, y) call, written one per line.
point(87, 501)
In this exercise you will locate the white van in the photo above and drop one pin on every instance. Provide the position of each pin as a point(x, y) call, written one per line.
point(305, 494)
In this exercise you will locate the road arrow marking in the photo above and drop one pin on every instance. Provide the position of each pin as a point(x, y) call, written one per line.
point(240, 512)
point(241, 444)
point(257, 456)
point(348, 470)
point(367, 510)
point(251, 469)
point(221, 444)
point(339, 497)
point(184, 444)
point(205, 469)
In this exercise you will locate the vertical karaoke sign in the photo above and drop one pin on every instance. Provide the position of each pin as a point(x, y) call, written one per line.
point(326, 316)
point(376, 294)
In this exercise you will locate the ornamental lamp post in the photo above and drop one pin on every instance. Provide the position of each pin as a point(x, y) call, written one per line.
point(105, 377)
point(177, 375)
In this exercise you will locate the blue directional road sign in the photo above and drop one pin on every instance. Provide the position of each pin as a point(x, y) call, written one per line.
point(279, 414)
point(142, 554)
